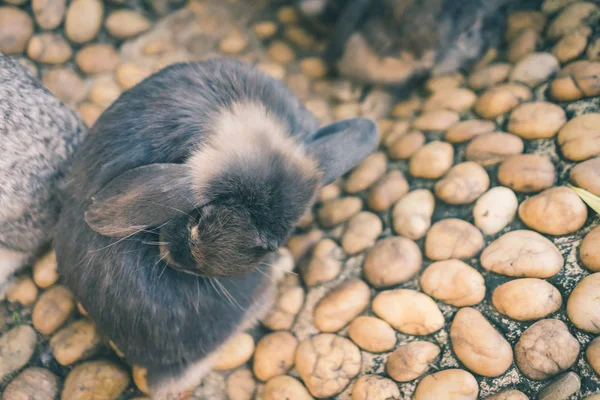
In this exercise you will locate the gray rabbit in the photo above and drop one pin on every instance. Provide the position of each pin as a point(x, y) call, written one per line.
point(177, 201)
point(38, 137)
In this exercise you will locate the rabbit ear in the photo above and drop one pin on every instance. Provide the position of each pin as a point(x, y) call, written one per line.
point(140, 198)
point(342, 145)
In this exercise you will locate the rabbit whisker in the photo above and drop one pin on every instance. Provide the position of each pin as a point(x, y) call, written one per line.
point(128, 237)
point(232, 300)
point(166, 265)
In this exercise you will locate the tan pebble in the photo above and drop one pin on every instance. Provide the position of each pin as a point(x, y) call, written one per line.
point(327, 363)
point(16, 348)
point(281, 52)
point(289, 301)
point(81, 310)
point(449, 384)
point(235, 352)
point(49, 48)
point(452, 238)
point(593, 50)
point(411, 360)
point(555, 211)
point(22, 290)
point(583, 306)
point(552, 6)
point(342, 305)
point(52, 309)
point(578, 138)
point(478, 345)
point(408, 311)
point(16, 28)
point(104, 91)
point(391, 261)
point(140, 378)
point(453, 282)
point(467, 130)
point(492, 148)
point(501, 98)
point(593, 397)
point(508, 395)
point(411, 216)
point(336, 211)
point(95, 380)
point(324, 265)
point(274, 70)
point(285, 388)
point(586, 175)
point(387, 191)
point(561, 388)
point(33, 383)
point(572, 45)
point(534, 69)
point(377, 104)
point(522, 253)
point(525, 43)
point(75, 342)
point(98, 57)
point(576, 80)
point(307, 220)
point(463, 183)
point(65, 84)
point(300, 245)
point(83, 20)
point(234, 42)
point(436, 120)
point(589, 251)
point(362, 231)
point(527, 173)
point(546, 349)
point(241, 385)
point(443, 82)
point(158, 46)
point(495, 209)
point(489, 76)
point(16, 2)
point(274, 355)
point(366, 173)
point(288, 15)
point(592, 353)
point(123, 24)
point(329, 192)
point(45, 270)
point(313, 67)
point(457, 99)
point(265, 29)
point(432, 160)
point(536, 120)
point(375, 387)
point(346, 111)
point(396, 131)
point(526, 299)
point(129, 75)
point(517, 21)
point(406, 145)
point(89, 112)
point(407, 108)
point(570, 19)
point(372, 334)
point(48, 13)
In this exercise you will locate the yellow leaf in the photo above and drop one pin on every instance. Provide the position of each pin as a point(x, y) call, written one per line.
point(589, 198)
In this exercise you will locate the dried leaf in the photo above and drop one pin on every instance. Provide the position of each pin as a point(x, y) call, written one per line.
point(589, 198)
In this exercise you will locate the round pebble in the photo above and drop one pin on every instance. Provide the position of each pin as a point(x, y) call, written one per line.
point(241, 385)
point(387, 191)
point(408, 311)
point(586, 175)
point(327, 363)
point(391, 261)
point(342, 305)
point(411, 360)
point(65, 84)
point(45, 271)
point(583, 306)
point(16, 348)
point(83, 20)
point(452, 238)
point(463, 184)
point(129, 74)
point(104, 91)
point(432, 160)
point(495, 209)
point(411, 216)
point(455, 99)
point(140, 375)
point(235, 352)
point(372, 334)
point(546, 349)
point(375, 387)
point(336, 211)
point(534, 69)
point(536, 120)
point(313, 67)
point(467, 130)
point(527, 173)
point(406, 145)
point(592, 353)
point(362, 232)
point(366, 173)
point(95, 380)
point(49, 48)
point(288, 303)
point(478, 345)
point(300, 245)
point(561, 388)
point(22, 290)
point(75, 342)
point(522, 253)
point(527, 299)
point(519, 20)
point(576, 80)
point(436, 120)
point(48, 13)
point(570, 18)
point(52, 309)
point(508, 395)
point(453, 282)
point(285, 388)
point(123, 24)
point(324, 265)
point(16, 28)
point(33, 383)
point(96, 58)
point(444, 82)
point(89, 112)
point(492, 148)
point(501, 99)
point(578, 137)
point(274, 355)
point(572, 45)
point(449, 384)
point(488, 76)
point(526, 43)
point(281, 52)
point(589, 251)
point(234, 42)
point(555, 211)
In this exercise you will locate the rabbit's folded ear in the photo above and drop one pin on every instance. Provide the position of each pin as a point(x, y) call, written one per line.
point(342, 145)
point(140, 198)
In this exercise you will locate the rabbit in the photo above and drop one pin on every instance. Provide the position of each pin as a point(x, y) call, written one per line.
point(39, 135)
point(178, 201)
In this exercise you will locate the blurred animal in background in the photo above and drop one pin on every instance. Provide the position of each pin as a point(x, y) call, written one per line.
point(38, 135)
